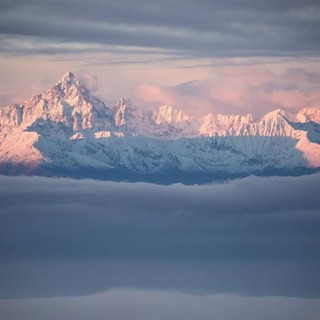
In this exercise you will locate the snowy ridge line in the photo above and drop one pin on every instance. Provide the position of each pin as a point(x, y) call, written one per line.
point(68, 128)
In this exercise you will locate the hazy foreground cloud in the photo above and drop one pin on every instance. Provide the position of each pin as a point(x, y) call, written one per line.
point(246, 249)
point(253, 236)
point(158, 305)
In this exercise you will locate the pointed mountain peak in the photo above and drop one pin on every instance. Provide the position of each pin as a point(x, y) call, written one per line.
point(69, 80)
point(274, 114)
point(170, 115)
point(210, 117)
point(123, 102)
point(309, 114)
point(123, 111)
point(69, 77)
point(70, 85)
point(165, 109)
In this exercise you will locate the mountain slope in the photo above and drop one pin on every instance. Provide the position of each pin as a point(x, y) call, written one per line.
point(66, 130)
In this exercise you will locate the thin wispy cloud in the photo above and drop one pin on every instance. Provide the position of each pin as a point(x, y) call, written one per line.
point(253, 89)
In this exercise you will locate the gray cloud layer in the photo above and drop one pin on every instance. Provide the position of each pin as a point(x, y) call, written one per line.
point(194, 28)
point(255, 236)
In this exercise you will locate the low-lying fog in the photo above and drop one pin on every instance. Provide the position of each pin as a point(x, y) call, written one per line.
point(190, 251)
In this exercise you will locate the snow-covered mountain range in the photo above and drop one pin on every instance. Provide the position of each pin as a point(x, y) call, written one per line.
point(68, 131)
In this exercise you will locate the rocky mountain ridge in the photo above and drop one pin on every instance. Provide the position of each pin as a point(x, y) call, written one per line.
point(67, 129)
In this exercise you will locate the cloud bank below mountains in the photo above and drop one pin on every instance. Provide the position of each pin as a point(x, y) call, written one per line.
point(251, 195)
point(253, 236)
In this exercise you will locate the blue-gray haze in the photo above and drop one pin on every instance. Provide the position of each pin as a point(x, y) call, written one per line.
point(239, 227)
point(149, 247)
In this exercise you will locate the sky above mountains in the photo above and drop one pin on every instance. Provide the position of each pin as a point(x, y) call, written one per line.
point(227, 57)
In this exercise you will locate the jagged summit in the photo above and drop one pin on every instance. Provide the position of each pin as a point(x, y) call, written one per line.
point(123, 112)
point(67, 129)
point(69, 77)
point(274, 114)
point(125, 102)
point(69, 84)
point(169, 114)
point(309, 114)
point(68, 102)
point(69, 80)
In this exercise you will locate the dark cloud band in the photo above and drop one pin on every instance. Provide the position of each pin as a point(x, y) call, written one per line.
point(198, 28)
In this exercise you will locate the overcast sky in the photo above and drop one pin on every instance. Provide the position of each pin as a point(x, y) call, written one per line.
point(163, 44)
